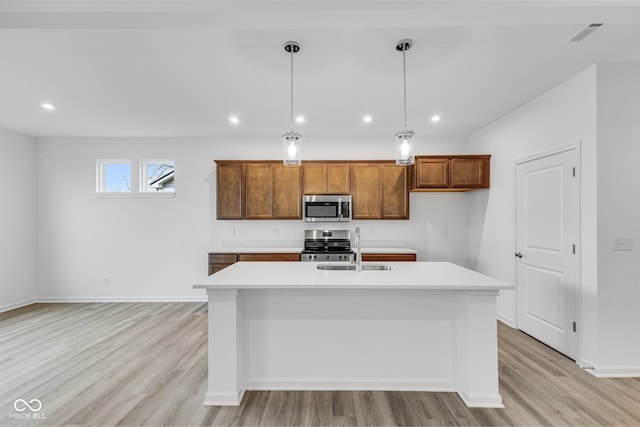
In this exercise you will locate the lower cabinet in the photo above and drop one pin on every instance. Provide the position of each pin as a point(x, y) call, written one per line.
point(218, 261)
point(268, 257)
point(389, 257)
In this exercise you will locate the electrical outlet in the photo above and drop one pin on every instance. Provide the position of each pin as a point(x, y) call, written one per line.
point(107, 279)
point(622, 243)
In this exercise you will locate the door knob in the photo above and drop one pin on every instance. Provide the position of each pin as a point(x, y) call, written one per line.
point(519, 254)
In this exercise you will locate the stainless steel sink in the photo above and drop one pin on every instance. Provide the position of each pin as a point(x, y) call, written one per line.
point(352, 267)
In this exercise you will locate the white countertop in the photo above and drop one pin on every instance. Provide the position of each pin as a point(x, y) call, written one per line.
point(289, 250)
point(305, 275)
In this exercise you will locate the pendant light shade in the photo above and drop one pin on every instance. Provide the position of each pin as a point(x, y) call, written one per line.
point(405, 147)
point(291, 141)
point(291, 148)
point(405, 139)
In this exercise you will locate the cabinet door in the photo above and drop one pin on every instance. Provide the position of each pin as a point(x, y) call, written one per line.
point(229, 189)
point(366, 191)
point(250, 257)
point(389, 257)
point(467, 172)
point(287, 195)
point(338, 178)
point(432, 173)
point(258, 189)
point(395, 191)
point(315, 175)
point(219, 261)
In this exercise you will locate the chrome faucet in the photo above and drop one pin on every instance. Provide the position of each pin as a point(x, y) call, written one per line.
point(358, 252)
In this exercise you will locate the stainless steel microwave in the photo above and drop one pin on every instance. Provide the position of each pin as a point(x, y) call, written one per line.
point(326, 208)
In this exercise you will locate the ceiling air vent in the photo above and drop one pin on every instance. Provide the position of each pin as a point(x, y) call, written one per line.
point(584, 32)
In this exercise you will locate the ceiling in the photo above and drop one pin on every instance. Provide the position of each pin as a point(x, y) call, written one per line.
point(181, 68)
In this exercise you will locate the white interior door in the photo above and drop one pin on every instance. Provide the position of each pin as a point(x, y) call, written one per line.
point(547, 223)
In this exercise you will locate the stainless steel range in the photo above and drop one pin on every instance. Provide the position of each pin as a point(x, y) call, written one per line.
point(327, 245)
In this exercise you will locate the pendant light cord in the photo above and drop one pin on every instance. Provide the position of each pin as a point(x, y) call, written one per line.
point(291, 52)
point(404, 73)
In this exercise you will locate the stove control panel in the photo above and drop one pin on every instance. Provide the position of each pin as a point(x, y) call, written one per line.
point(324, 257)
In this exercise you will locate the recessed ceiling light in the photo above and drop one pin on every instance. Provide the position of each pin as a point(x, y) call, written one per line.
point(234, 120)
point(47, 106)
point(367, 119)
point(300, 119)
point(435, 118)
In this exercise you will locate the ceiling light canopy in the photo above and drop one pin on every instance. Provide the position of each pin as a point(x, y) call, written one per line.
point(291, 141)
point(47, 106)
point(405, 139)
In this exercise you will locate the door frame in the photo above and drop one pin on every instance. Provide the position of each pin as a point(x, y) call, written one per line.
point(578, 309)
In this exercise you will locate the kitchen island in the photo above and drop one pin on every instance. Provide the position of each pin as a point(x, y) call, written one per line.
point(423, 326)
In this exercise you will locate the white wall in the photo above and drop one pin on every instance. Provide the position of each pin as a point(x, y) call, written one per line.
point(618, 215)
point(17, 220)
point(146, 247)
point(600, 108)
point(561, 117)
point(154, 249)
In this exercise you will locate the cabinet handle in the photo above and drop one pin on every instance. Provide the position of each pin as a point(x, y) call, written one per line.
point(519, 254)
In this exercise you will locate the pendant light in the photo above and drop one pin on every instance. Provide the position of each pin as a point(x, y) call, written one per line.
point(405, 139)
point(291, 141)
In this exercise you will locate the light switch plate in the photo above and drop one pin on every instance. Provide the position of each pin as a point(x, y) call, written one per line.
point(622, 243)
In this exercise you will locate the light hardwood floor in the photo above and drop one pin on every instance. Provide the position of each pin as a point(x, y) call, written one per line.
point(146, 364)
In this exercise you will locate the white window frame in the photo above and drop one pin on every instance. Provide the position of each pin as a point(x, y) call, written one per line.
point(144, 178)
point(135, 192)
point(101, 179)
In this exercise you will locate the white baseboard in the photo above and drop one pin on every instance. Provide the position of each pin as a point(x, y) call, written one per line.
point(507, 321)
point(18, 304)
point(615, 371)
point(121, 299)
point(223, 399)
point(382, 384)
point(481, 400)
point(30, 301)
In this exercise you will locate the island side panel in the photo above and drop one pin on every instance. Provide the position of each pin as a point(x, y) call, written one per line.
point(350, 339)
point(477, 352)
point(226, 356)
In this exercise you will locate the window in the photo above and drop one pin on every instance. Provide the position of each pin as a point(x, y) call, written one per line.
point(113, 176)
point(154, 179)
point(157, 176)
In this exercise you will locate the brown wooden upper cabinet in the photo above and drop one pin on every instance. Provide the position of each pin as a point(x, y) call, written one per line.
point(326, 178)
point(287, 192)
point(230, 191)
point(380, 191)
point(395, 191)
point(450, 173)
point(258, 190)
